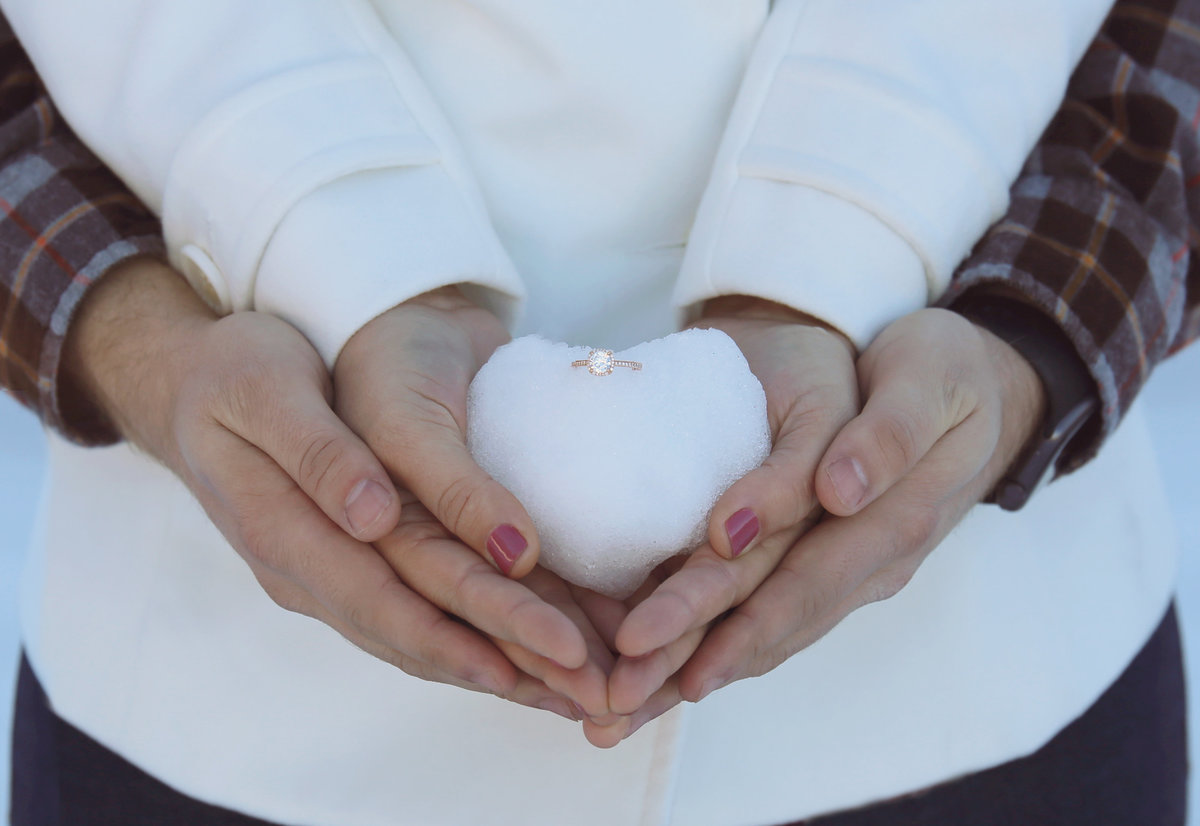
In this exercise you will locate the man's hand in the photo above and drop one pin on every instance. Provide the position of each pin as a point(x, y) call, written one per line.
point(948, 406)
point(807, 372)
point(239, 408)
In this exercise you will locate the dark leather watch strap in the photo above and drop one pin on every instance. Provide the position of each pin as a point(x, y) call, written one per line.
point(1071, 397)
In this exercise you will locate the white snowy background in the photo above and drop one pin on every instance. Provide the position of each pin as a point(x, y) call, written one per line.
point(1173, 400)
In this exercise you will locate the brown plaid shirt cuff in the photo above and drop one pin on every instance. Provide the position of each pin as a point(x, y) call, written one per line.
point(65, 220)
point(1103, 232)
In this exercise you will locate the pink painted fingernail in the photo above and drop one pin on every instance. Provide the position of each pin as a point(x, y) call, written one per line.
point(741, 528)
point(365, 504)
point(849, 480)
point(506, 545)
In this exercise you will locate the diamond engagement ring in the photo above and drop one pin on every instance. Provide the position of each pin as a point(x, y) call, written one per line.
point(601, 363)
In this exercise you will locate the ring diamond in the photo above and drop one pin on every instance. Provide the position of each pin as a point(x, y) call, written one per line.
point(602, 363)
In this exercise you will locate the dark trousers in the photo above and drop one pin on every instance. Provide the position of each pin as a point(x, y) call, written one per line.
point(1123, 763)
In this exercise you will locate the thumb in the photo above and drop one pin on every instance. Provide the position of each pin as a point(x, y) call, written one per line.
point(431, 459)
point(323, 456)
point(910, 404)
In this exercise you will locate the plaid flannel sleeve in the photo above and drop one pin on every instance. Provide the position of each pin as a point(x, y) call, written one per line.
point(65, 221)
point(1103, 231)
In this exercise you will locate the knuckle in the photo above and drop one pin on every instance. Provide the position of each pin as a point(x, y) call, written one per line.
point(365, 615)
point(762, 657)
point(768, 660)
point(433, 647)
point(787, 479)
point(959, 392)
point(685, 601)
point(726, 589)
point(359, 617)
point(810, 606)
point(255, 534)
point(896, 438)
point(286, 598)
point(886, 584)
point(470, 588)
point(322, 456)
point(802, 494)
point(460, 503)
point(418, 669)
point(245, 394)
point(917, 531)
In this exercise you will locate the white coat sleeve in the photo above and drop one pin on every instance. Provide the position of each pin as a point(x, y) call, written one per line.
point(298, 163)
point(871, 145)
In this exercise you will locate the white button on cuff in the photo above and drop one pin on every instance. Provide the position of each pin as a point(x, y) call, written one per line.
point(202, 273)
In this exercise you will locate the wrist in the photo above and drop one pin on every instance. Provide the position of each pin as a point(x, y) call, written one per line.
point(423, 321)
point(752, 308)
point(126, 348)
point(1064, 396)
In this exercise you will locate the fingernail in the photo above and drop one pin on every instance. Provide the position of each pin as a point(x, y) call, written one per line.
point(506, 545)
point(578, 709)
point(741, 528)
point(849, 480)
point(365, 504)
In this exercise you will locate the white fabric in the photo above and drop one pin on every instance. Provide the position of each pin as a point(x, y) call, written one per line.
point(226, 115)
point(153, 637)
point(589, 134)
point(917, 115)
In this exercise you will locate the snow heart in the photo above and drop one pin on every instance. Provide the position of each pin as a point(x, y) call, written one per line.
point(617, 464)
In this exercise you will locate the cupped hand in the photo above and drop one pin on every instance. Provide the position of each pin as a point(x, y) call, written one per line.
point(239, 408)
point(807, 373)
point(401, 383)
point(947, 407)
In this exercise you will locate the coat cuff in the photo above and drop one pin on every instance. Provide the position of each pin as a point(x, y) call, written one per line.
point(362, 244)
point(812, 251)
point(921, 134)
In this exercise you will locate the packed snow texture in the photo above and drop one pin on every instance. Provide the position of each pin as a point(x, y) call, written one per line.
point(619, 472)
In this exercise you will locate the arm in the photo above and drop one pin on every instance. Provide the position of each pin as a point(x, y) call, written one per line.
point(107, 342)
point(1101, 239)
point(1103, 234)
point(941, 466)
point(66, 222)
point(871, 145)
point(256, 128)
point(246, 125)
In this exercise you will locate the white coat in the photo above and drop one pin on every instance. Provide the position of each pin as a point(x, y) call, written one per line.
point(594, 171)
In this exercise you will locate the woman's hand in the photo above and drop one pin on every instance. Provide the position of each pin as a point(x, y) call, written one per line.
point(948, 407)
point(807, 372)
point(401, 383)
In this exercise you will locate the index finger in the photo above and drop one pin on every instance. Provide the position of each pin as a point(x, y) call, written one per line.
point(704, 588)
point(453, 577)
point(836, 568)
point(277, 527)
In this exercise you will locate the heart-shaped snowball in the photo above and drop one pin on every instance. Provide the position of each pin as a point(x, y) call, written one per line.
point(618, 471)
